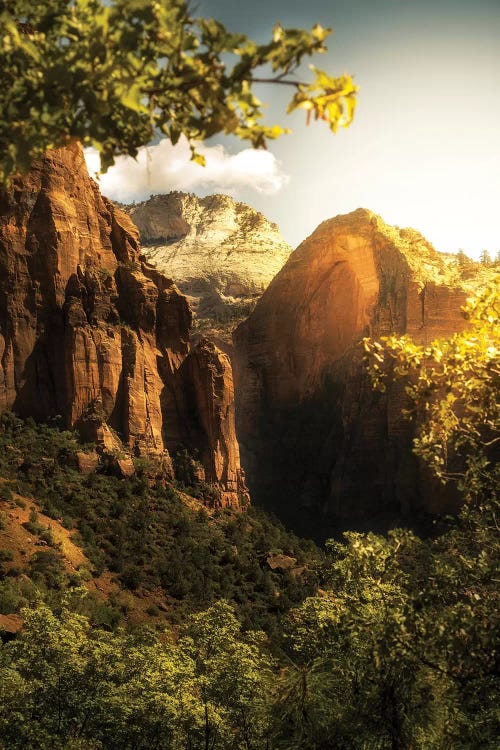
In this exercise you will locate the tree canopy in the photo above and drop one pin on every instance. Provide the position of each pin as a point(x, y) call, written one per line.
point(115, 74)
point(453, 388)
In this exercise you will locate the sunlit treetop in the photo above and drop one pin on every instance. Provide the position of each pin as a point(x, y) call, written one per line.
point(453, 387)
point(115, 74)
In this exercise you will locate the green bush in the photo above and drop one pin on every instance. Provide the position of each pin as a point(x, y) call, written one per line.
point(47, 567)
point(16, 594)
point(5, 492)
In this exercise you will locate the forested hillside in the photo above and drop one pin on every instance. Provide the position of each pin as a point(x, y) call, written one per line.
point(396, 649)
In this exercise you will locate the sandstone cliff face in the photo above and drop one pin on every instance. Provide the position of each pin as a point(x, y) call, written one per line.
point(90, 331)
point(312, 432)
point(209, 386)
point(222, 254)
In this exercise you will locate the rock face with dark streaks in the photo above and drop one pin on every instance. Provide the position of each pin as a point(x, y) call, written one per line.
point(208, 382)
point(313, 434)
point(92, 332)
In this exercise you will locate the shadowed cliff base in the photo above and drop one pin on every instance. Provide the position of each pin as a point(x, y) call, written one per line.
point(320, 482)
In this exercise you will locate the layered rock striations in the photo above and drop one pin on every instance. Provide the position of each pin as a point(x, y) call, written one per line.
point(90, 331)
point(313, 434)
point(209, 386)
point(221, 253)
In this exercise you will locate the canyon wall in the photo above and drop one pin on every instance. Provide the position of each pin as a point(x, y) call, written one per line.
point(91, 332)
point(221, 253)
point(314, 435)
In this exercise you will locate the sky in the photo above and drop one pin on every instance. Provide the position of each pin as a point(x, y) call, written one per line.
point(424, 147)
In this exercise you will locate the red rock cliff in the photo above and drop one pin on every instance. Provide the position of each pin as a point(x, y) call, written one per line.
point(312, 432)
point(90, 331)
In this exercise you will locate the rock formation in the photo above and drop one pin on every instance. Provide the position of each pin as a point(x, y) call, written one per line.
point(90, 331)
point(312, 432)
point(209, 386)
point(222, 254)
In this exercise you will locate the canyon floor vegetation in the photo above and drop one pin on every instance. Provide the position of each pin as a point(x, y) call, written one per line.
point(385, 642)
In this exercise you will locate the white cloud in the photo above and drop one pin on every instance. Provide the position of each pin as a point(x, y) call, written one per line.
point(163, 167)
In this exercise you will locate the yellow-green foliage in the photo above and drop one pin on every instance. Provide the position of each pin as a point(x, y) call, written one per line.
point(453, 387)
point(115, 74)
